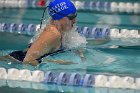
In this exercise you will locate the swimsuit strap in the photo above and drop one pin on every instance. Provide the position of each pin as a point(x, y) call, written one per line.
point(61, 49)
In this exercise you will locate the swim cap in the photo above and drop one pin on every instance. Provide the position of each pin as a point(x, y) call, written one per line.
point(61, 8)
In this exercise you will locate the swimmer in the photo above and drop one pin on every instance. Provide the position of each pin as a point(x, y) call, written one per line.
point(63, 18)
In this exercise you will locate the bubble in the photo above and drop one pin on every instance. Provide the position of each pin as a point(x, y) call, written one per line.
point(72, 39)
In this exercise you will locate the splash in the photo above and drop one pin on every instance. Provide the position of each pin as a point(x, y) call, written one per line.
point(39, 31)
point(72, 39)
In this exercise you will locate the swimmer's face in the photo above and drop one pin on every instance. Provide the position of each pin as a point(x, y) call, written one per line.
point(68, 22)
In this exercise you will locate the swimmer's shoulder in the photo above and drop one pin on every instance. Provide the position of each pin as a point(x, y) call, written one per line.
point(52, 30)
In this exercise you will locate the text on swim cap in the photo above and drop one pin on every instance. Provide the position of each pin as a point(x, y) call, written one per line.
point(58, 8)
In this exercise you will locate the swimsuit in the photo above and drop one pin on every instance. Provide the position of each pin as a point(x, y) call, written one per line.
point(20, 55)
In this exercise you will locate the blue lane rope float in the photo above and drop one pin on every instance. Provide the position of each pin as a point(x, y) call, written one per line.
point(88, 32)
point(13, 27)
point(95, 33)
point(84, 31)
point(88, 80)
point(62, 78)
point(71, 79)
point(49, 77)
point(105, 33)
point(74, 79)
point(31, 29)
point(5, 27)
point(22, 28)
point(26, 29)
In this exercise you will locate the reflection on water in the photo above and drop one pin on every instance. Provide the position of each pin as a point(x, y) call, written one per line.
point(109, 19)
point(104, 60)
point(28, 87)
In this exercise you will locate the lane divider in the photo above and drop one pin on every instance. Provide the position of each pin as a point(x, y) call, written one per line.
point(126, 7)
point(88, 32)
point(70, 79)
point(26, 29)
point(22, 3)
point(124, 33)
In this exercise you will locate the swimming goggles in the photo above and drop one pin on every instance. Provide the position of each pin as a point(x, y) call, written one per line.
point(72, 16)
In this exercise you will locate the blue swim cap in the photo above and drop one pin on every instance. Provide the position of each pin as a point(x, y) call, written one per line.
point(61, 8)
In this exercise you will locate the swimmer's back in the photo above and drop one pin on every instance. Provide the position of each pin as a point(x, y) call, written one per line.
point(48, 41)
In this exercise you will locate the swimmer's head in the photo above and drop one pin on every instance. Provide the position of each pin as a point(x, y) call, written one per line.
point(59, 9)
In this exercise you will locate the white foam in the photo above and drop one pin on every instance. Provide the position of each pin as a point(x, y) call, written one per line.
point(40, 30)
point(72, 39)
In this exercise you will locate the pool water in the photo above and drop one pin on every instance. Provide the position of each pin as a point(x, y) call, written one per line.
point(98, 60)
point(123, 60)
point(50, 88)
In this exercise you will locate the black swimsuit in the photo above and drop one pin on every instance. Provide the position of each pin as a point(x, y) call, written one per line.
point(20, 55)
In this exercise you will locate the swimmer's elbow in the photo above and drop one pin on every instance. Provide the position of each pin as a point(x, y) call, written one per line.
point(30, 61)
point(31, 56)
point(26, 60)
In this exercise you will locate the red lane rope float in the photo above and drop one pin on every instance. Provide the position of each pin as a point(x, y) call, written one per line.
point(41, 3)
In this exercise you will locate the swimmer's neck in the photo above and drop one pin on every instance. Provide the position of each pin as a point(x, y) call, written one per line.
point(57, 24)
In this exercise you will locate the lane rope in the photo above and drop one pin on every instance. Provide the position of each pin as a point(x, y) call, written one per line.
point(71, 79)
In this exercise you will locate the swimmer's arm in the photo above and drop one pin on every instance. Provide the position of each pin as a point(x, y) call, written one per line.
point(81, 54)
point(62, 62)
point(47, 41)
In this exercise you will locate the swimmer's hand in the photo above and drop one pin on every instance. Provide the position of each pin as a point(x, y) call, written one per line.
point(81, 55)
point(33, 62)
point(63, 62)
